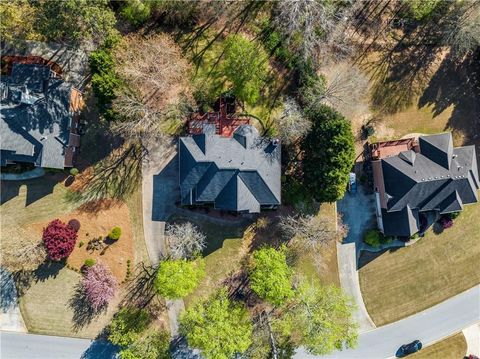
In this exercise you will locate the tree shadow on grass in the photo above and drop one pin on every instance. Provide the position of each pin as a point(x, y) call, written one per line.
point(83, 313)
point(48, 270)
point(457, 83)
point(140, 290)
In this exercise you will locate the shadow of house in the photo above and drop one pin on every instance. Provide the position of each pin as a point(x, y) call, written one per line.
point(36, 189)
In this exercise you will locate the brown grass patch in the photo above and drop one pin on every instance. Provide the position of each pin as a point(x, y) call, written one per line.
point(98, 225)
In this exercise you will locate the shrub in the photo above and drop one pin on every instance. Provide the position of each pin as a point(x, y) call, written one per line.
point(74, 171)
point(74, 224)
point(372, 237)
point(99, 285)
point(80, 245)
point(59, 240)
point(115, 233)
point(454, 215)
point(89, 262)
point(446, 222)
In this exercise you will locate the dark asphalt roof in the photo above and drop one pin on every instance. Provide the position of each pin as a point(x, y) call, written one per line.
point(439, 178)
point(238, 173)
point(34, 117)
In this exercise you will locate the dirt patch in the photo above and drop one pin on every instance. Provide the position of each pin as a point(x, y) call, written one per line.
point(98, 225)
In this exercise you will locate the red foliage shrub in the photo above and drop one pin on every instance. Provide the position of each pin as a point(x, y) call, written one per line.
point(99, 285)
point(59, 240)
point(74, 224)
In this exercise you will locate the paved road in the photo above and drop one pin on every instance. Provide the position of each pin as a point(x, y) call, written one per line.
point(31, 346)
point(429, 326)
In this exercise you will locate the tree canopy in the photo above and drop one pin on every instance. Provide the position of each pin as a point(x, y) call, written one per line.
point(270, 275)
point(127, 326)
point(153, 345)
point(245, 66)
point(219, 327)
point(178, 278)
point(75, 21)
point(328, 154)
point(319, 318)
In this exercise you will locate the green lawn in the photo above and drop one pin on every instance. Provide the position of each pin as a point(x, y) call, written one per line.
point(31, 201)
point(47, 306)
point(453, 347)
point(322, 265)
point(223, 254)
point(437, 267)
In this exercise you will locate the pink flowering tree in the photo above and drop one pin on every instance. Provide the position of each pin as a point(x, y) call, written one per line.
point(59, 239)
point(99, 286)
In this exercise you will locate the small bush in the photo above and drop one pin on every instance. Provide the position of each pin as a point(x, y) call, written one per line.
point(89, 262)
point(115, 233)
point(415, 236)
point(74, 224)
point(454, 215)
point(74, 171)
point(80, 245)
point(372, 238)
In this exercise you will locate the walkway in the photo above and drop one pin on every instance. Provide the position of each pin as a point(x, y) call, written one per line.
point(429, 326)
point(159, 194)
point(472, 337)
point(35, 173)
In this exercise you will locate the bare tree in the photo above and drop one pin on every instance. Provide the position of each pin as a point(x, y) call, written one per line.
point(156, 95)
point(184, 240)
point(21, 251)
point(291, 122)
point(310, 231)
point(345, 86)
point(320, 25)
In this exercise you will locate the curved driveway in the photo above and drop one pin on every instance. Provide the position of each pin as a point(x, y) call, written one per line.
point(429, 326)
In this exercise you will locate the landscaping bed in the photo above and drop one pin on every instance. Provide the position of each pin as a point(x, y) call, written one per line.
point(98, 226)
point(403, 282)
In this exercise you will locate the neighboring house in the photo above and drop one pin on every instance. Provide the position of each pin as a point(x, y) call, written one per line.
point(228, 165)
point(417, 181)
point(39, 116)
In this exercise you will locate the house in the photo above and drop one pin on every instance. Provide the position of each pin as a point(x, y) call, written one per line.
point(39, 116)
point(417, 181)
point(229, 166)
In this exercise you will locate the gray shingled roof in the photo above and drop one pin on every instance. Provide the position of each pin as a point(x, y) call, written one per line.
point(238, 173)
point(438, 178)
point(34, 117)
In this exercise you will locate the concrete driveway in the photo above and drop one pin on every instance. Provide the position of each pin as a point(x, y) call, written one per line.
point(358, 213)
point(160, 192)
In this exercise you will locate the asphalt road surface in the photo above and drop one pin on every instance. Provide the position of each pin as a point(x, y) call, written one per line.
point(429, 326)
point(31, 346)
